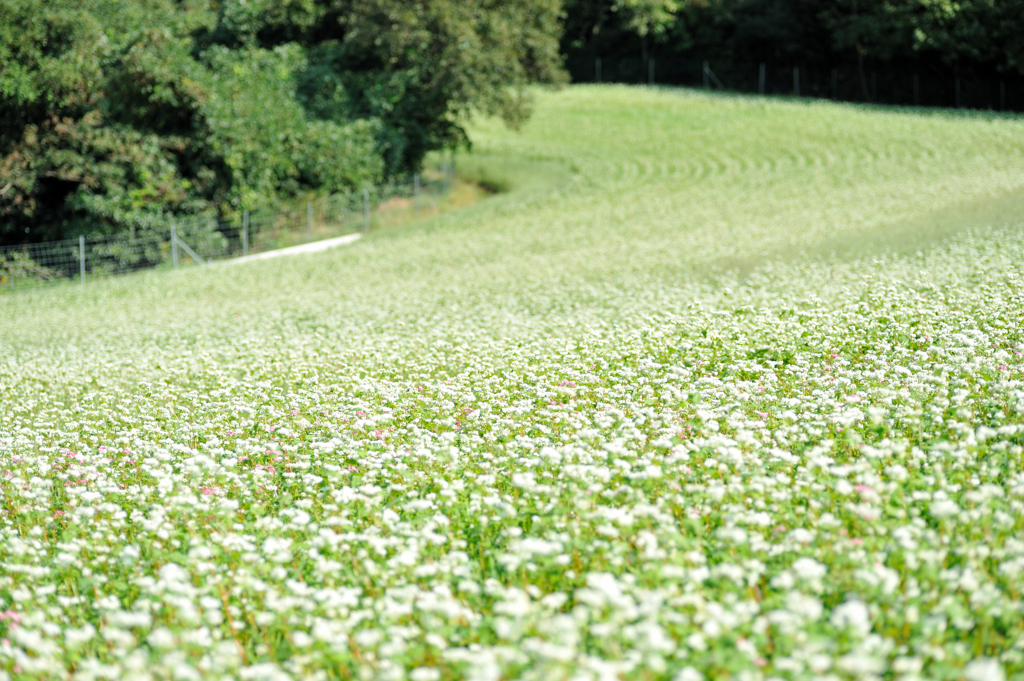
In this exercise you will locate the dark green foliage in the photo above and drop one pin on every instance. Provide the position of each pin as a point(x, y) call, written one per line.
point(966, 36)
point(418, 68)
point(116, 111)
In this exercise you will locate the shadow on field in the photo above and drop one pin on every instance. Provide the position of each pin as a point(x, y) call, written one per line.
point(484, 179)
point(930, 230)
point(901, 238)
point(502, 174)
point(871, 107)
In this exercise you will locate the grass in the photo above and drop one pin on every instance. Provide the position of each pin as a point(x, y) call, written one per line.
point(629, 418)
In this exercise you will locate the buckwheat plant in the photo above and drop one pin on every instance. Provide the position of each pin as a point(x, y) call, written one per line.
point(619, 429)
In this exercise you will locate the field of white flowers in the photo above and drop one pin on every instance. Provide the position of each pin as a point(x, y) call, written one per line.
point(637, 426)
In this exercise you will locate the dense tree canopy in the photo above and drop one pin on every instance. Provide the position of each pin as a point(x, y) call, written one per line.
point(116, 110)
point(985, 34)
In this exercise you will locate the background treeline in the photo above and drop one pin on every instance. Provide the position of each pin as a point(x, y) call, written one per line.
point(115, 114)
point(962, 40)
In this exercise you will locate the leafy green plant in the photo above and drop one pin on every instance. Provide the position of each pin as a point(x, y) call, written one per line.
point(116, 111)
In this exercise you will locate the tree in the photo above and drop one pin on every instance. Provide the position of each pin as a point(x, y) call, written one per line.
point(878, 29)
point(117, 110)
point(648, 19)
point(420, 68)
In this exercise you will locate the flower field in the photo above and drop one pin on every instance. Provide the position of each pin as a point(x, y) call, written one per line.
point(640, 423)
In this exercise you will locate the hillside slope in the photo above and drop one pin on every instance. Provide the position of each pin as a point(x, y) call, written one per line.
point(624, 423)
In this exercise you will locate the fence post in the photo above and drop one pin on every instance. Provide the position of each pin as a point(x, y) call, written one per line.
point(760, 79)
point(81, 257)
point(416, 193)
point(917, 90)
point(707, 82)
point(835, 84)
point(309, 220)
point(796, 81)
point(597, 70)
point(174, 246)
point(366, 209)
point(245, 233)
point(650, 71)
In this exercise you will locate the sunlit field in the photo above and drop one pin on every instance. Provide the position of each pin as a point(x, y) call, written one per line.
point(718, 388)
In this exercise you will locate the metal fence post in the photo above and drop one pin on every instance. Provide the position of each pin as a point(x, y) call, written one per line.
point(650, 71)
point(366, 209)
point(81, 257)
point(245, 233)
point(597, 70)
point(174, 247)
point(707, 82)
point(760, 79)
point(796, 81)
point(416, 193)
point(309, 220)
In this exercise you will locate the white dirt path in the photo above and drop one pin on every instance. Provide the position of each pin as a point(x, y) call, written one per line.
point(314, 247)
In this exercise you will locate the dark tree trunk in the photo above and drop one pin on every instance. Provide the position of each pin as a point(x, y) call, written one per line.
point(643, 57)
point(860, 73)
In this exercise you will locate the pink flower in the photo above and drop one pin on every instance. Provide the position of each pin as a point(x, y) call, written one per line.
point(864, 489)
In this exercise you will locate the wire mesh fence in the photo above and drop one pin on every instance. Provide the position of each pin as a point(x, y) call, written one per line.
point(175, 242)
point(880, 84)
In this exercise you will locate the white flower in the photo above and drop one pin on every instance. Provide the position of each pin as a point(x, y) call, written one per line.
point(697, 642)
point(688, 674)
point(984, 669)
point(161, 638)
point(424, 674)
point(944, 508)
point(808, 569)
point(265, 671)
point(76, 637)
point(852, 616)
point(808, 607)
point(276, 549)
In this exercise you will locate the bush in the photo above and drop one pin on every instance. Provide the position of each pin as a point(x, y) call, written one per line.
point(117, 112)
